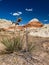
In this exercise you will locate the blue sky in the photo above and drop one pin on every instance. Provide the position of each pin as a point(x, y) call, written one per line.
point(26, 9)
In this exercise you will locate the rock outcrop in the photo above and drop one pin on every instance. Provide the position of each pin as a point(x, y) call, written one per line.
point(34, 23)
point(35, 27)
point(8, 26)
point(5, 23)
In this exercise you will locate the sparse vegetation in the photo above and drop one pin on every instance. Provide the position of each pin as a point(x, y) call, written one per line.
point(31, 46)
point(12, 45)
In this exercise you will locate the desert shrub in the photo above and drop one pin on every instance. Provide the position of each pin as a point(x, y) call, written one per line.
point(31, 47)
point(12, 45)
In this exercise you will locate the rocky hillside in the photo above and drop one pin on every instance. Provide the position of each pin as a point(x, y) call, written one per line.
point(37, 36)
point(34, 23)
point(5, 23)
point(36, 28)
point(41, 32)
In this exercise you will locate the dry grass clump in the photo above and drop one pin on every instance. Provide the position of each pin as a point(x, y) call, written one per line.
point(12, 45)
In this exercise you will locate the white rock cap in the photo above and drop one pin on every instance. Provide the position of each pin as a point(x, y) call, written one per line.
point(35, 19)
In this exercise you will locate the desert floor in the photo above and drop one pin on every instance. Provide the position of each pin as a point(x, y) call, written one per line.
point(38, 56)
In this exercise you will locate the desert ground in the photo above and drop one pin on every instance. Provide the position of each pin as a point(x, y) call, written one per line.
point(39, 54)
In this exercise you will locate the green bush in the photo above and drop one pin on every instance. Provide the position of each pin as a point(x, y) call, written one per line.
point(12, 45)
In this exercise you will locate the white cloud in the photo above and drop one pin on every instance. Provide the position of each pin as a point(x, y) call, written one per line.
point(16, 13)
point(45, 20)
point(30, 9)
point(20, 12)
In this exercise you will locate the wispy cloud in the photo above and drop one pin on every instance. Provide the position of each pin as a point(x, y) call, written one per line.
point(30, 9)
point(16, 13)
point(45, 20)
